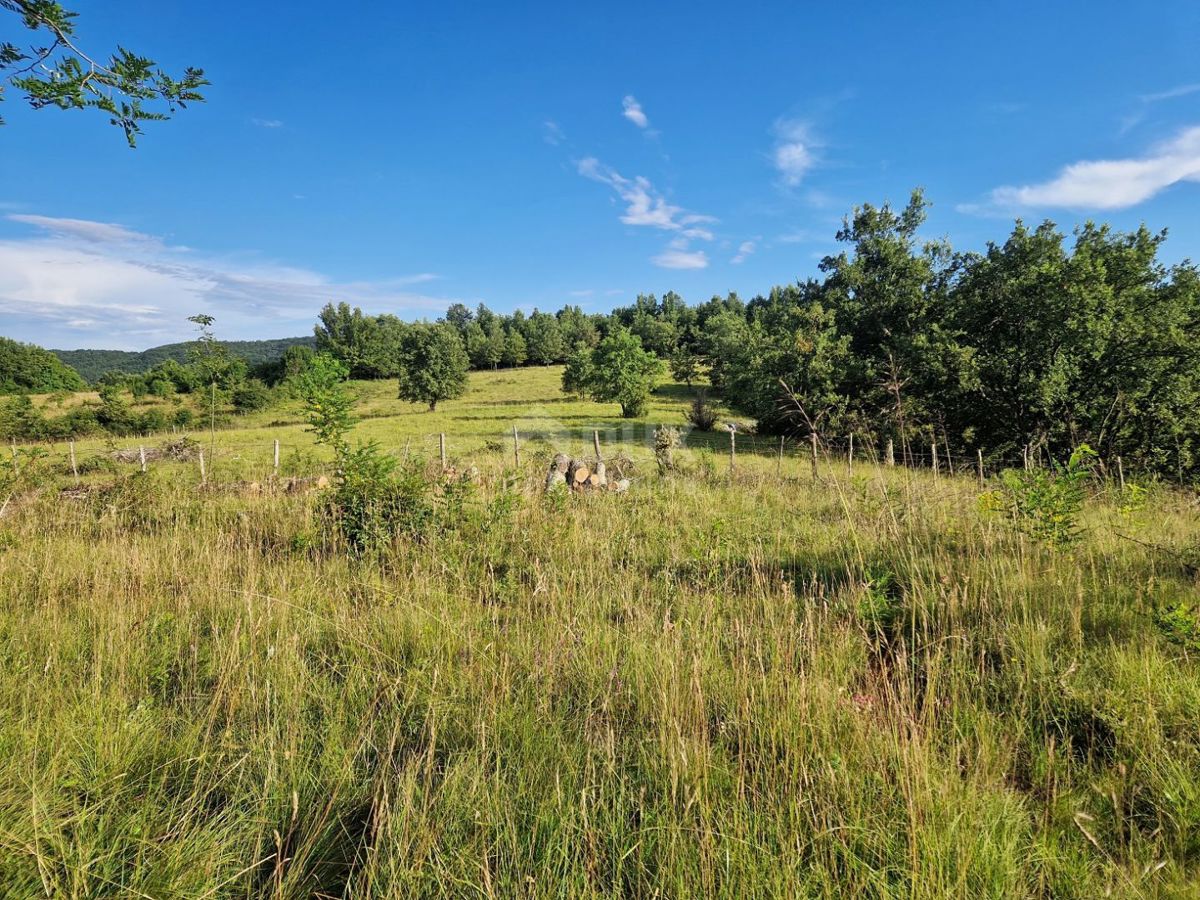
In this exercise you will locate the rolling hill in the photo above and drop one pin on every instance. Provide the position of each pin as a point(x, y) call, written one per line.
point(91, 364)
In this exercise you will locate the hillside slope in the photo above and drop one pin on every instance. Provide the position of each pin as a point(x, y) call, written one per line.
point(91, 364)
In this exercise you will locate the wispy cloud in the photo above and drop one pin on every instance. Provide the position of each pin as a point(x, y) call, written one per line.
point(1107, 184)
point(85, 230)
point(794, 152)
point(267, 123)
point(645, 207)
point(743, 251)
point(552, 134)
point(1181, 90)
point(632, 110)
point(1146, 103)
point(678, 256)
point(75, 282)
point(799, 236)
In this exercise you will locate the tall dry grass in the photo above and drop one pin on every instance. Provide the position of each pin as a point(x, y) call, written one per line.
point(727, 686)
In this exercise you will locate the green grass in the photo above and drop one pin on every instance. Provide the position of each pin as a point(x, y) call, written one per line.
point(746, 684)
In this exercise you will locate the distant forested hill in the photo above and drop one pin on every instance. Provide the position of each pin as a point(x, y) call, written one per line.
point(91, 364)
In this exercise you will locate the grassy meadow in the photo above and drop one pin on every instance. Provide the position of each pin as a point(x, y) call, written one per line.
point(746, 683)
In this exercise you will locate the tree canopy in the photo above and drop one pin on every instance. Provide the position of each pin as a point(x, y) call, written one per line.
point(25, 368)
point(433, 364)
point(617, 370)
point(52, 70)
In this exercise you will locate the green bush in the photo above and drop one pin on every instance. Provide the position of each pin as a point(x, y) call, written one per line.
point(251, 395)
point(1046, 503)
point(700, 413)
point(374, 500)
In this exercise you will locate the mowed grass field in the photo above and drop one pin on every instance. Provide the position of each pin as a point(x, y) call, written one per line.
point(748, 683)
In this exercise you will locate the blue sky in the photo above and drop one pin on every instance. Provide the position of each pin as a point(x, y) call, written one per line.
point(406, 156)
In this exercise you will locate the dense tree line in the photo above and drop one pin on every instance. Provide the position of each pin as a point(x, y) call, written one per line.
point(1038, 344)
point(1032, 343)
point(25, 368)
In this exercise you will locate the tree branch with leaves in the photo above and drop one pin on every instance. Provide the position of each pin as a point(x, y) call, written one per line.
point(54, 71)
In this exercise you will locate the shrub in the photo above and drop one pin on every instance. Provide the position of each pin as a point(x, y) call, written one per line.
point(700, 414)
point(374, 500)
point(1180, 624)
point(1046, 503)
point(21, 420)
point(114, 414)
point(251, 395)
point(152, 420)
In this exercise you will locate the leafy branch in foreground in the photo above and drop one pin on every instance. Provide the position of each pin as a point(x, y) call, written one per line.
point(54, 71)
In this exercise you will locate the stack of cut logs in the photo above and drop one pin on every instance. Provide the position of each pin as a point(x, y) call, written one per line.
point(575, 475)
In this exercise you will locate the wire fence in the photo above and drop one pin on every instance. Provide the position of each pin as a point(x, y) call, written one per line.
point(519, 440)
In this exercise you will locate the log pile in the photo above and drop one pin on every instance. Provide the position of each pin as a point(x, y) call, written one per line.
point(575, 475)
point(182, 449)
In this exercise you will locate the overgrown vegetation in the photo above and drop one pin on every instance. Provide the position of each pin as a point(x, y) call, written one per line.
point(25, 368)
point(750, 684)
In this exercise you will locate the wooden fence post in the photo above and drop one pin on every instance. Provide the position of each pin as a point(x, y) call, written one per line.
point(890, 456)
point(934, 459)
point(276, 463)
point(203, 474)
point(442, 448)
point(16, 464)
point(732, 449)
point(1121, 474)
point(850, 457)
point(1025, 456)
point(979, 459)
point(813, 439)
point(74, 467)
point(949, 459)
point(516, 448)
point(142, 457)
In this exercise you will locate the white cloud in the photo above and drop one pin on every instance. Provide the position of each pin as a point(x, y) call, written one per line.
point(267, 123)
point(1109, 184)
point(793, 155)
point(81, 283)
point(743, 251)
point(645, 206)
point(1181, 90)
point(674, 258)
point(633, 112)
point(85, 230)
